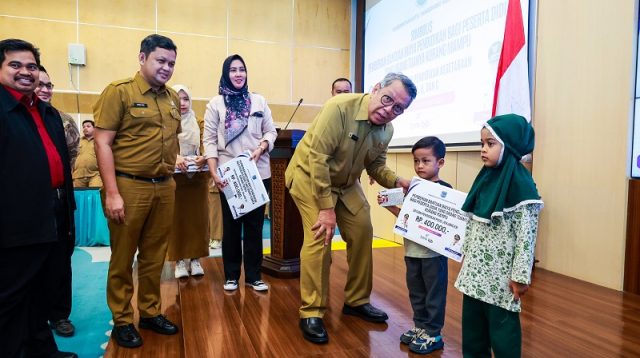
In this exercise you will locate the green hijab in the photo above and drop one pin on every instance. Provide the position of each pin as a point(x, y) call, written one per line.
point(508, 185)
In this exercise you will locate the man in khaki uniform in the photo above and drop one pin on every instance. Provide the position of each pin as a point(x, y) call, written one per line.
point(85, 172)
point(341, 85)
point(350, 134)
point(137, 122)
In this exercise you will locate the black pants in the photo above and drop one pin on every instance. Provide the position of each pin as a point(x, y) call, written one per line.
point(29, 276)
point(242, 241)
point(61, 303)
point(427, 280)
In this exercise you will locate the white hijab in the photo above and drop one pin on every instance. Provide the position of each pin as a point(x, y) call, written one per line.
point(190, 136)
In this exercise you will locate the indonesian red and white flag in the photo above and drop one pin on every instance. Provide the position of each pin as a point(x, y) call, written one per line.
point(511, 93)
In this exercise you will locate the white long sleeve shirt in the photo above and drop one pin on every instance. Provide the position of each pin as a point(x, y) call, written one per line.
point(259, 128)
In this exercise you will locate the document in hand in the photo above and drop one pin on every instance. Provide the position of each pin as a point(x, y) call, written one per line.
point(431, 217)
point(191, 166)
point(244, 190)
point(391, 197)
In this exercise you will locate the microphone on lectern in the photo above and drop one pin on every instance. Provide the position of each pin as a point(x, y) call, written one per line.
point(292, 114)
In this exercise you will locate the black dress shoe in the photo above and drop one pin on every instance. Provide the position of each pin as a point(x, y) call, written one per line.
point(313, 330)
point(63, 327)
point(159, 324)
point(367, 312)
point(59, 354)
point(126, 336)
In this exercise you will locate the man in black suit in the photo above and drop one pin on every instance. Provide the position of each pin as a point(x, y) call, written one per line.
point(37, 205)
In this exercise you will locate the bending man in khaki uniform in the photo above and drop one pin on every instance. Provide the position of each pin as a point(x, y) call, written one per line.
point(85, 172)
point(350, 134)
point(137, 122)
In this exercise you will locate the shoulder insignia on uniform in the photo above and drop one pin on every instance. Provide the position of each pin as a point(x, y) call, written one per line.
point(123, 81)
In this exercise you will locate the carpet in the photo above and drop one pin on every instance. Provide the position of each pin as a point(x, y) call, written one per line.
point(89, 312)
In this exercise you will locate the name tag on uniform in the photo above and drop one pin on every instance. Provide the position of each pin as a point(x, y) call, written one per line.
point(139, 105)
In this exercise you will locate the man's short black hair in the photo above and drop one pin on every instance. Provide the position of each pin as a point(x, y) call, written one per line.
point(10, 45)
point(93, 124)
point(436, 145)
point(151, 42)
point(340, 80)
point(42, 69)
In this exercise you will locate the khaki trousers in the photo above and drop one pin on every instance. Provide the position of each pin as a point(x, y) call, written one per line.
point(148, 218)
point(315, 258)
point(215, 215)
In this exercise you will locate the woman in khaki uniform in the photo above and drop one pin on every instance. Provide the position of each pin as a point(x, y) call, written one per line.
point(190, 230)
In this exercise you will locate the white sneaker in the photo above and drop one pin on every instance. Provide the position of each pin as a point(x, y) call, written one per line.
point(215, 244)
point(230, 285)
point(258, 285)
point(196, 268)
point(181, 269)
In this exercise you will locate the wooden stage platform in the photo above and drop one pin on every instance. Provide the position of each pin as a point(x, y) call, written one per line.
point(562, 317)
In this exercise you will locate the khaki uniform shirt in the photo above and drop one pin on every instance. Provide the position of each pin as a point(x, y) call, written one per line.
point(339, 145)
point(86, 163)
point(146, 122)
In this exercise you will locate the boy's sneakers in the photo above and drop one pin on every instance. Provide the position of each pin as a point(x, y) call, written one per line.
point(423, 343)
point(215, 244)
point(230, 285)
point(258, 285)
point(408, 336)
point(196, 268)
point(181, 269)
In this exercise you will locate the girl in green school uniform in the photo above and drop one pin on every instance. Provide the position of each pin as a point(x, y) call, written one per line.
point(500, 238)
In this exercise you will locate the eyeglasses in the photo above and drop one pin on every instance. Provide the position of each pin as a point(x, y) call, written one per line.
point(388, 101)
point(44, 84)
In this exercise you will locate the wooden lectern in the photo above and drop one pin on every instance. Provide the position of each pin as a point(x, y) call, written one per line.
point(287, 234)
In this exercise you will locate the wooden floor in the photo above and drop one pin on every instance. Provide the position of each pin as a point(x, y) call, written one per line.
point(562, 317)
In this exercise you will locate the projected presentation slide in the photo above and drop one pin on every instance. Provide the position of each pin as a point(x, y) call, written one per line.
point(450, 49)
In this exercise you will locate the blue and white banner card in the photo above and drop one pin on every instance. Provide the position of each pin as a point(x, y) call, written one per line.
point(244, 190)
point(431, 217)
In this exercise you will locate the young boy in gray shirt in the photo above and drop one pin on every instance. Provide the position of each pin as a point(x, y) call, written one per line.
point(427, 270)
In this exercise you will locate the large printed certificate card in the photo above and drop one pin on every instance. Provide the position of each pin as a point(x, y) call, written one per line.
point(244, 190)
point(431, 217)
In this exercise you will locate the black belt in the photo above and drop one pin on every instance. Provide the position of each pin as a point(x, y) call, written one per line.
point(135, 177)
point(59, 193)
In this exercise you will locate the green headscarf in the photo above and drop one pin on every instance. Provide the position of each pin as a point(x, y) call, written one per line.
point(508, 185)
